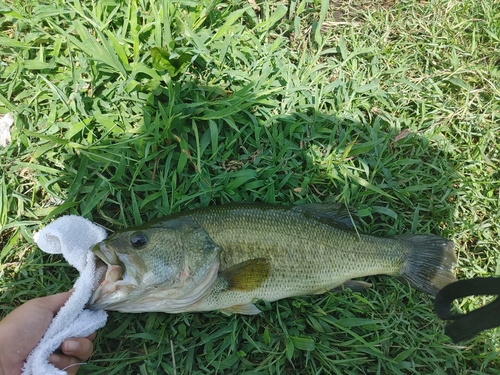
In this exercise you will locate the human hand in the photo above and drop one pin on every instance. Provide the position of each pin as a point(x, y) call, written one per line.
point(22, 329)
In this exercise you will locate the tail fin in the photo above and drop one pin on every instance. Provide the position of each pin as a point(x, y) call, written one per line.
point(430, 264)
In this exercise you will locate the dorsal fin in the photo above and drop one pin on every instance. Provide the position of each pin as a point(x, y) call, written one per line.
point(248, 275)
point(332, 213)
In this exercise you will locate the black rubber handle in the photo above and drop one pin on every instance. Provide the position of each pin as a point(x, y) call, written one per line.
point(466, 326)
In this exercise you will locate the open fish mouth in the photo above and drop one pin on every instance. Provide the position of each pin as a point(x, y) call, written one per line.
point(112, 280)
point(101, 268)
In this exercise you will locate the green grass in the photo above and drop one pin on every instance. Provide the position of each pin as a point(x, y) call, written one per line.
point(127, 111)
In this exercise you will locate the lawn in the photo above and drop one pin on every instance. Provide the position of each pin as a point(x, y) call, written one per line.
point(130, 110)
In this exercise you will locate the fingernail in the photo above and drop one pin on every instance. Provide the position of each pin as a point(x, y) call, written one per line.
point(54, 358)
point(71, 345)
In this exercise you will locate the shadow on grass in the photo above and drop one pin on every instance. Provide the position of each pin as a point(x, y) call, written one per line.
point(216, 149)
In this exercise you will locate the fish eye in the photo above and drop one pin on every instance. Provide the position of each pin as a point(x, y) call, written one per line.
point(138, 240)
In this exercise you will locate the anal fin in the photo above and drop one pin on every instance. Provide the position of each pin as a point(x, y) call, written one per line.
point(248, 309)
point(354, 285)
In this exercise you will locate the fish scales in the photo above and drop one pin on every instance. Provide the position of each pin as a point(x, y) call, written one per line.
point(305, 256)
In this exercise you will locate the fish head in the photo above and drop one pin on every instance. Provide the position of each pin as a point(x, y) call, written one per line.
point(160, 267)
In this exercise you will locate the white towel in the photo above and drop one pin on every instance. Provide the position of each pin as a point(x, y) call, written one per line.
point(72, 236)
point(6, 121)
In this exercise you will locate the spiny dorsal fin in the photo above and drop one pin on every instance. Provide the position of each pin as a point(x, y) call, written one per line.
point(248, 275)
point(332, 213)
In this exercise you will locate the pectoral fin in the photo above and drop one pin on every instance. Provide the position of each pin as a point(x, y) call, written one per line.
point(248, 275)
point(248, 309)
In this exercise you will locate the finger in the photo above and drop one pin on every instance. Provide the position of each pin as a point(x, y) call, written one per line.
point(51, 303)
point(42, 309)
point(80, 348)
point(92, 336)
point(48, 305)
point(63, 362)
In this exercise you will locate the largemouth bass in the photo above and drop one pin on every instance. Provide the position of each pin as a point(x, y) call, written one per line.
point(228, 257)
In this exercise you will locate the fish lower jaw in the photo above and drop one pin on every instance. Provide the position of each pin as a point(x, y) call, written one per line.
point(181, 298)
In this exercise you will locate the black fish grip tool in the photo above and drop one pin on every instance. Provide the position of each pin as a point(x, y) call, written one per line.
point(466, 326)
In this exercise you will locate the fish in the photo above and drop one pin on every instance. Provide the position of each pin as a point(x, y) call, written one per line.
point(228, 257)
